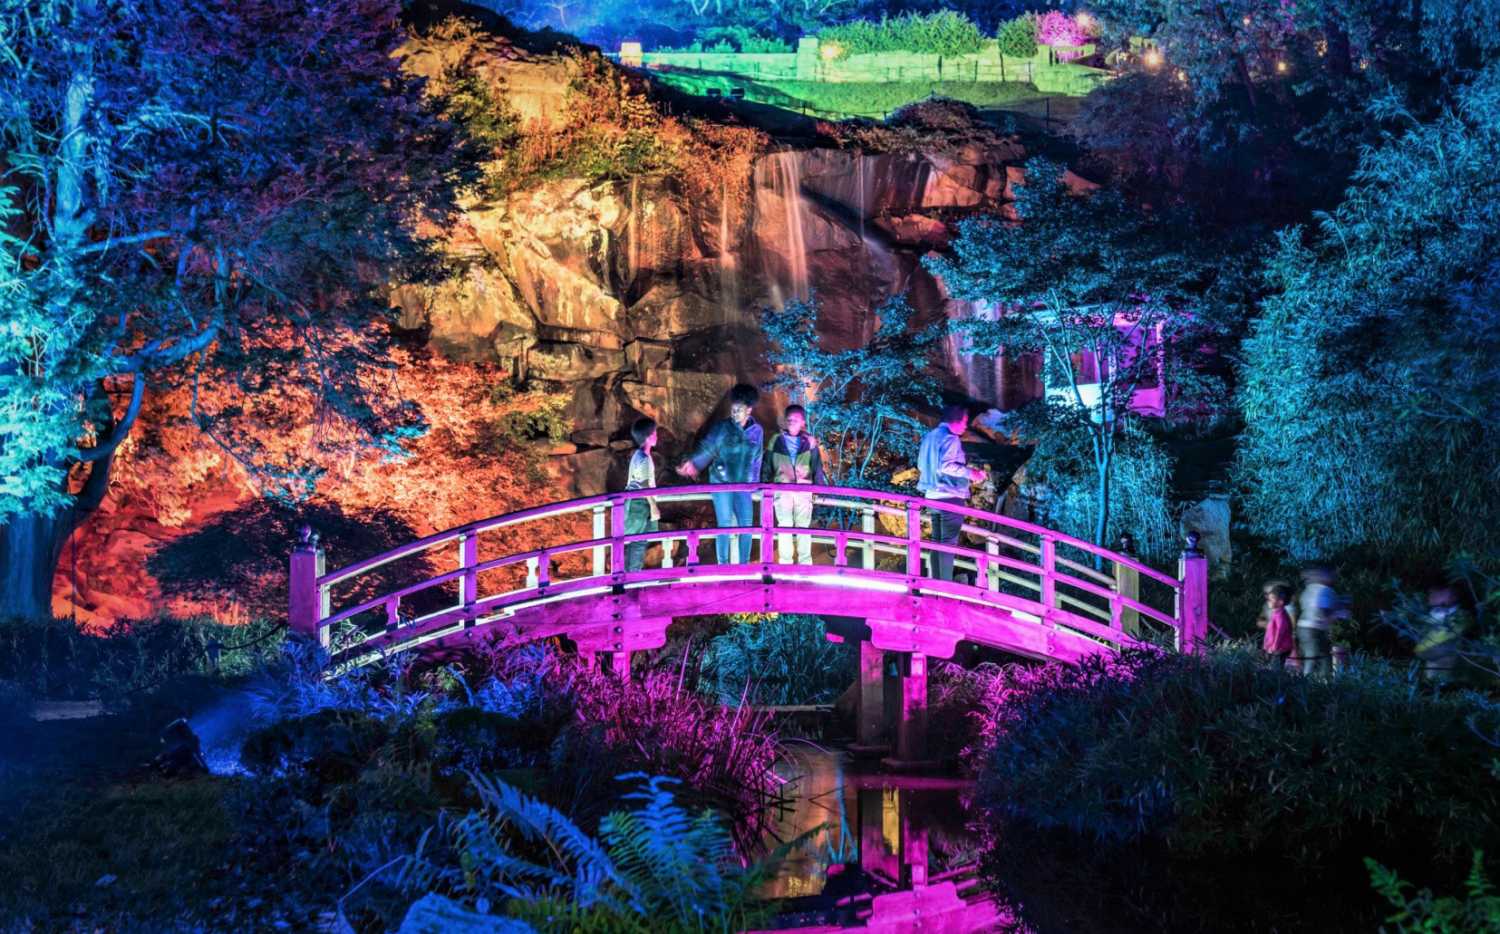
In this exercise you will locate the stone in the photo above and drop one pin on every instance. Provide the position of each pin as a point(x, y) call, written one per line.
point(1210, 519)
point(435, 914)
point(573, 362)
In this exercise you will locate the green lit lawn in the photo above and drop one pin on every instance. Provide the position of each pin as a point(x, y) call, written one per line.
point(863, 99)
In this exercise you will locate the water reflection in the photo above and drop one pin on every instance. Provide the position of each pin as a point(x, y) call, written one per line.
point(894, 853)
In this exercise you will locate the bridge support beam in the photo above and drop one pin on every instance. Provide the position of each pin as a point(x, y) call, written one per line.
point(869, 714)
point(911, 729)
point(620, 662)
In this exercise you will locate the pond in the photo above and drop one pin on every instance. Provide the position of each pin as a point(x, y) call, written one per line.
point(883, 852)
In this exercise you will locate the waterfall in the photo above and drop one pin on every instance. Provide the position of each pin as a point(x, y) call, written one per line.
point(981, 374)
point(632, 227)
point(785, 182)
point(729, 286)
point(859, 191)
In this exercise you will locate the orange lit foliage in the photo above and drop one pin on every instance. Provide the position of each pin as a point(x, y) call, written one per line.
point(171, 481)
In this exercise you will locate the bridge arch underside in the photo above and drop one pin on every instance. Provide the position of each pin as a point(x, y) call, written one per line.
point(610, 614)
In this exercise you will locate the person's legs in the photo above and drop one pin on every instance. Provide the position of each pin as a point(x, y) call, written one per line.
point(945, 527)
point(635, 552)
point(786, 517)
point(724, 518)
point(802, 510)
point(1315, 650)
point(744, 516)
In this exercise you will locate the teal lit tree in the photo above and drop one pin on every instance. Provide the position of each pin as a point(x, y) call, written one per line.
point(861, 400)
point(211, 195)
point(1370, 394)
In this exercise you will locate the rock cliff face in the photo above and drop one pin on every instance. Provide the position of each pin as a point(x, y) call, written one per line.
point(641, 301)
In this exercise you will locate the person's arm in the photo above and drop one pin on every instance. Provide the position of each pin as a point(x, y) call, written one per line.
point(651, 500)
point(757, 438)
point(952, 463)
point(768, 462)
point(707, 450)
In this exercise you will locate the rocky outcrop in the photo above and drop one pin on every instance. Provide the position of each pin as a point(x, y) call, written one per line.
point(641, 301)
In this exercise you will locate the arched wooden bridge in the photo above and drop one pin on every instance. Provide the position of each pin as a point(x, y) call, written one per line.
point(560, 570)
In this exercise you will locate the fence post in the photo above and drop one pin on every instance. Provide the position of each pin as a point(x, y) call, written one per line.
point(1192, 601)
point(308, 603)
point(807, 58)
point(1128, 584)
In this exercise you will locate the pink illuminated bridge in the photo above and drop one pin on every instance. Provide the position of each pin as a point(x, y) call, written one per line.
point(560, 570)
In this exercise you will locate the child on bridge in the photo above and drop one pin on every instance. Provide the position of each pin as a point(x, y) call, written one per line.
point(794, 458)
point(641, 515)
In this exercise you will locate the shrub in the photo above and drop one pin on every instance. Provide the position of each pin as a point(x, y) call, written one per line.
point(1478, 911)
point(785, 659)
point(942, 33)
point(1056, 28)
point(1224, 757)
point(53, 659)
point(1017, 37)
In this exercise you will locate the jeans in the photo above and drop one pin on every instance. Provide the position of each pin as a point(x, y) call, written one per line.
point(635, 552)
point(1315, 650)
point(794, 510)
point(733, 510)
point(945, 529)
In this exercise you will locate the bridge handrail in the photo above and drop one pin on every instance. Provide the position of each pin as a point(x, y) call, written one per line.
point(1119, 608)
point(872, 499)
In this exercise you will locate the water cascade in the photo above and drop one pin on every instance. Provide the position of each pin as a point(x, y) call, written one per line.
point(783, 182)
point(729, 286)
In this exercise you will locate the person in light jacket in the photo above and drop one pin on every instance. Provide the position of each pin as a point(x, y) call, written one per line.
point(944, 476)
point(731, 453)
point(794, 457)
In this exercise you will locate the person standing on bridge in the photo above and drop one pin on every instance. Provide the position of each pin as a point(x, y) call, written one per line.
point(731, 453)
point(944, 476)
point(794, 458)
point(641, 515)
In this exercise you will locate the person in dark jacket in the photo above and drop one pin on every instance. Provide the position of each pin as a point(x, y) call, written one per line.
point(794, 458)
point(731, 453)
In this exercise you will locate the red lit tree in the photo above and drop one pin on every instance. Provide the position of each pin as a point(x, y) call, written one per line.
point(211, 197)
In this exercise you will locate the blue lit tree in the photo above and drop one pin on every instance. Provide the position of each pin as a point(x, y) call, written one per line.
point(1371, 396)
point(211, 194)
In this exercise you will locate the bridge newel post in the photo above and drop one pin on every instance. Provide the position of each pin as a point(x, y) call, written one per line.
point(308, 603)
point(1192, 600)
point(1127, 584)
point(867, 525)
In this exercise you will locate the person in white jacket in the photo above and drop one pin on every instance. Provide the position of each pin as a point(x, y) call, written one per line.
point(944, 476)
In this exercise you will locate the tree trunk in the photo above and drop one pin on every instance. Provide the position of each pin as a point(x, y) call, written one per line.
point(30, 546)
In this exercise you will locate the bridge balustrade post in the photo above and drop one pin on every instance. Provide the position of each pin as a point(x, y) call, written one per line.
point(1127, 584)
point(1049, 572)
point(616, 531)
point(992, 566)
point(308, 603)
point(913, 541)
point(767, 525)
point(867, 525)
point(1192, 600)
point(468, 557)
point(599, 532)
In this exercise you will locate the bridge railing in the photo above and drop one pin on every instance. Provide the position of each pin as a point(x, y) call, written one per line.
point(552, 551)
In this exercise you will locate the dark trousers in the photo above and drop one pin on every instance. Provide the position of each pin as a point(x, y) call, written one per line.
point(733, 510)
point(945, 529)
point(635, 552)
